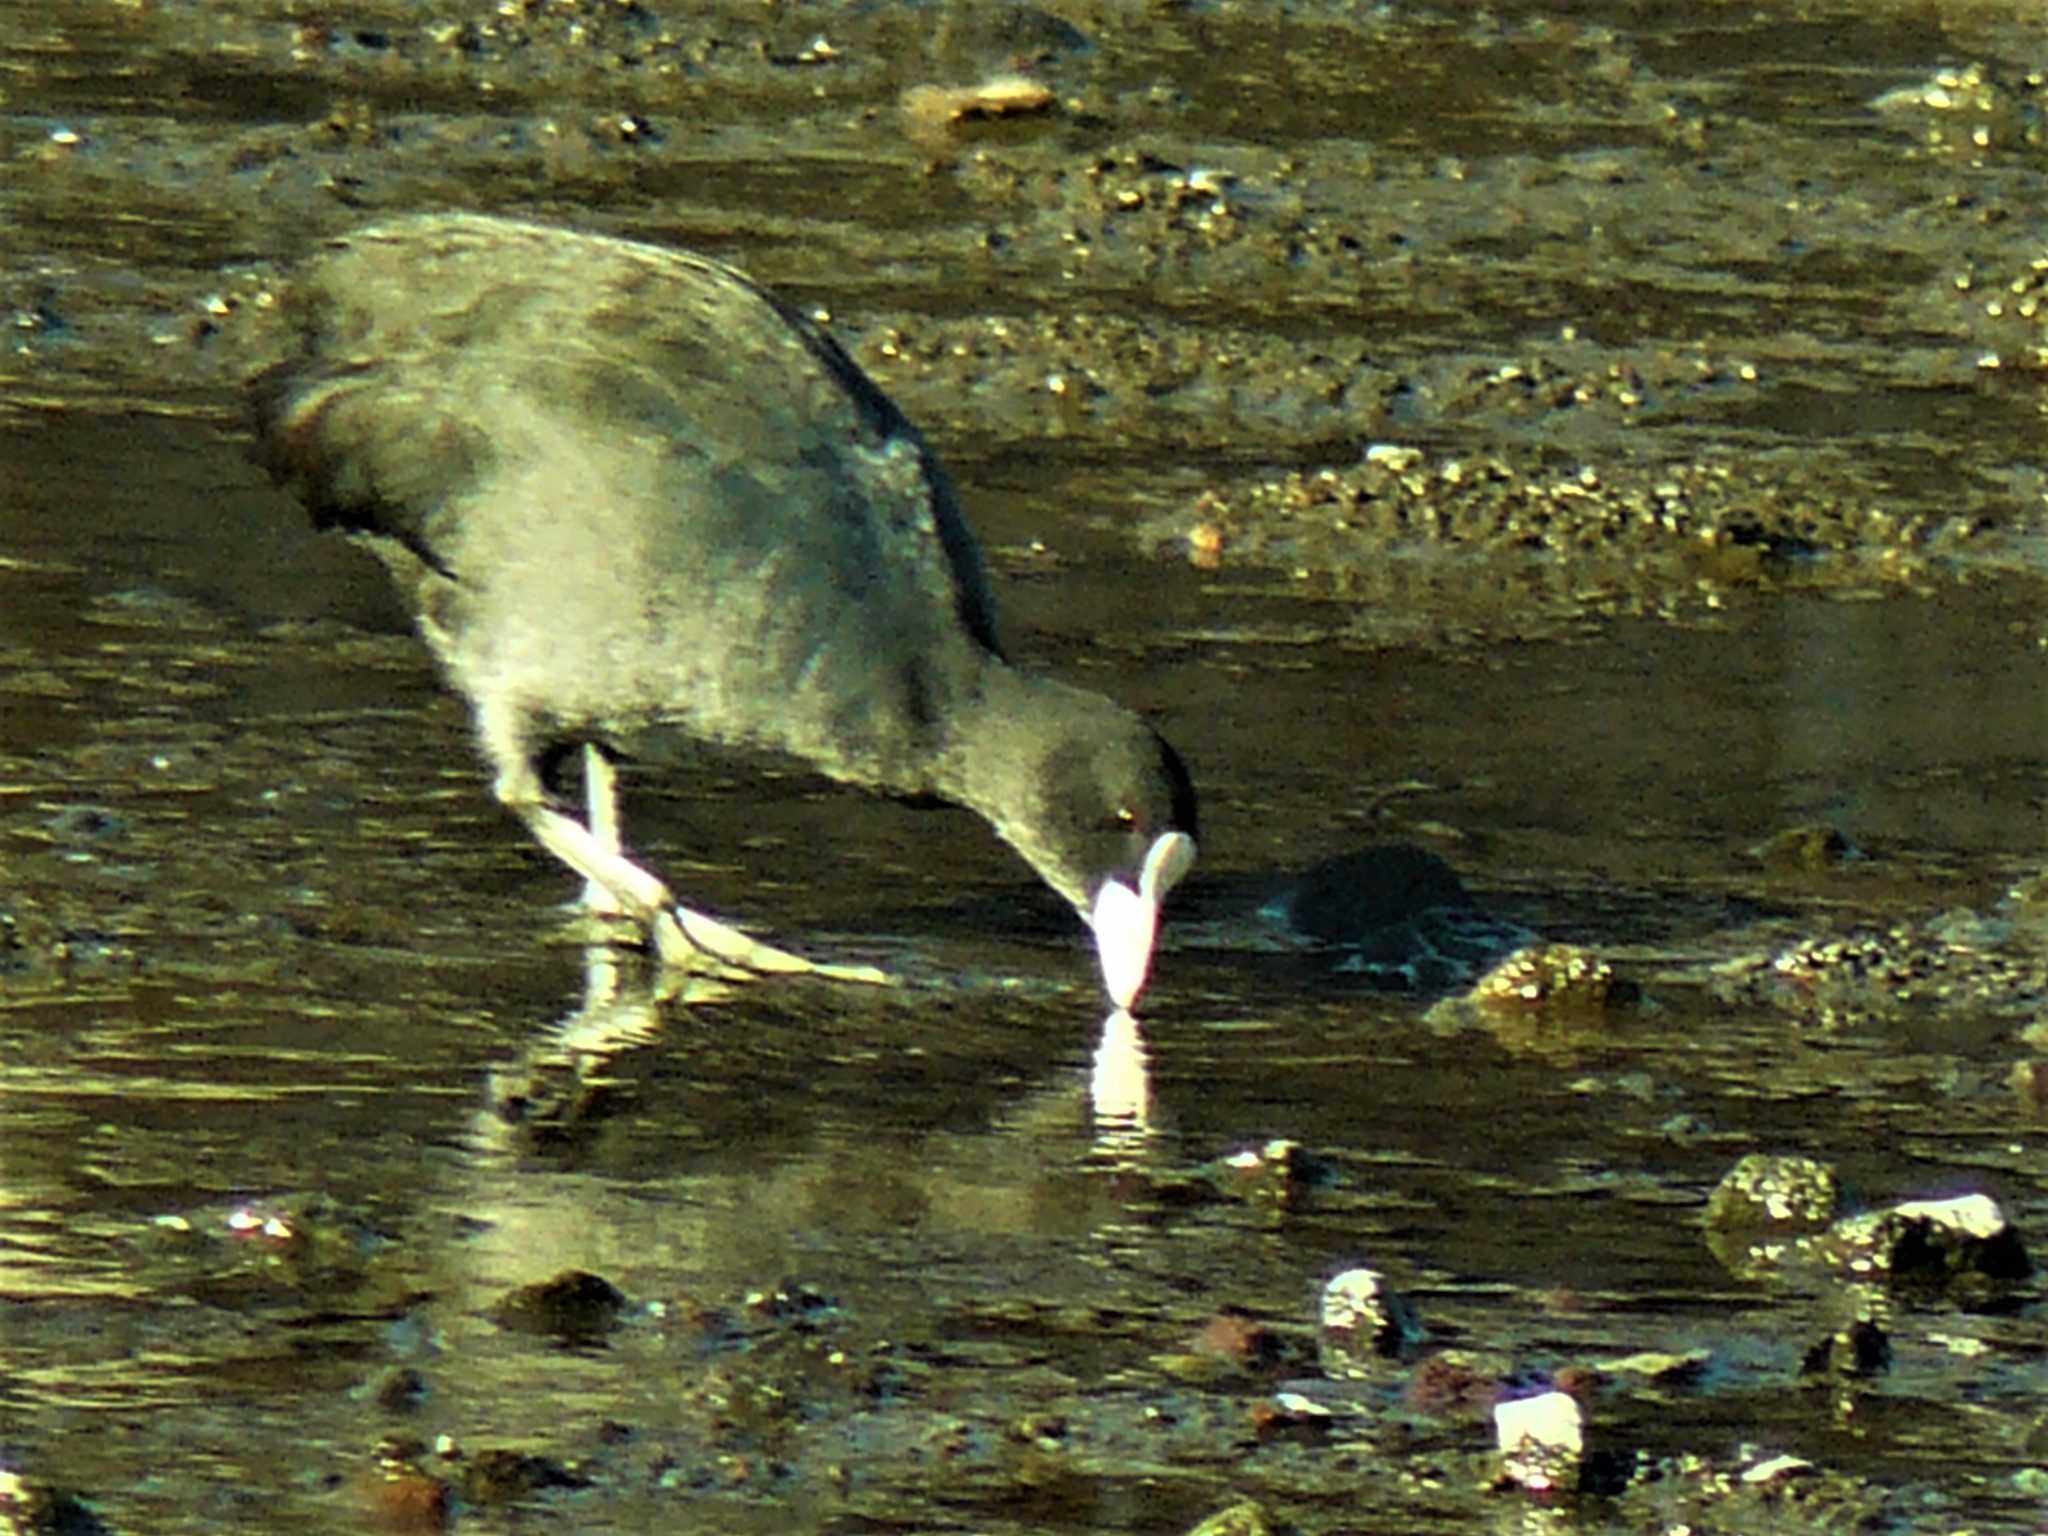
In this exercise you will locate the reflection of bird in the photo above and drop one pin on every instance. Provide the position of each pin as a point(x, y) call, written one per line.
point(634, 501)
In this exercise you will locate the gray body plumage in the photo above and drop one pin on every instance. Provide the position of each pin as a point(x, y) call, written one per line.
point(503, 413)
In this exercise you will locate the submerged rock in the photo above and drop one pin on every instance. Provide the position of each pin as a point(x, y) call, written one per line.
point(1396, 915)
point(1349, 898)
point(1764, 1203)
point(1960, 962)
point(1542, 999)
point(1562, 977)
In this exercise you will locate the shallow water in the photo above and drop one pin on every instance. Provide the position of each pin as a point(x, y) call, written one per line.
point(266, 944)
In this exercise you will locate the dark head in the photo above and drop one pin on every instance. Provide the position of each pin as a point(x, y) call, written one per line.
point(1098, 803)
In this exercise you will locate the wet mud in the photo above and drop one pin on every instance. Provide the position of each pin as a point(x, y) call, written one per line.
point(1567, 480)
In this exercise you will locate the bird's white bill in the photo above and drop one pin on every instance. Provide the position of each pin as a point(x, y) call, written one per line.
point(1126, 921)
point(1171, 856)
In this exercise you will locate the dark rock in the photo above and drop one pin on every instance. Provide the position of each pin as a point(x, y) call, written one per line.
point(505, 1477)
point(37, 1509)
point(1859, 1348)
point(576, 1307)
point(1964, 1243)
point(1808, 849)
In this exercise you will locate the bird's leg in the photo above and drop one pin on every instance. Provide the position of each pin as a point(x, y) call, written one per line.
point(601, 811)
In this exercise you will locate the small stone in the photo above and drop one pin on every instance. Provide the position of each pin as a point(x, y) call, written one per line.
point(1452, 1383)
point(1234, 1334)
point(1276, 1175)
point(932, 112)
point(401, 1391)
point(405, 1502)
point(1776, 1469)
point(1663, 1367)
point(1245, 1519)
point(1364, 1324)
point(1542, 1440)
point(2028, 1080)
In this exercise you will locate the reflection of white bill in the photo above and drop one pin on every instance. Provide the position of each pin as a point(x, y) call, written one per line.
point(1120, 1086)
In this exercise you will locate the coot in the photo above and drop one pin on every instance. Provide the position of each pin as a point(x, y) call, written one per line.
point(635, 501)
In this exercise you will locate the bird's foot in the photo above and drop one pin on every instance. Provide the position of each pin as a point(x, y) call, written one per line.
point(688, 939)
